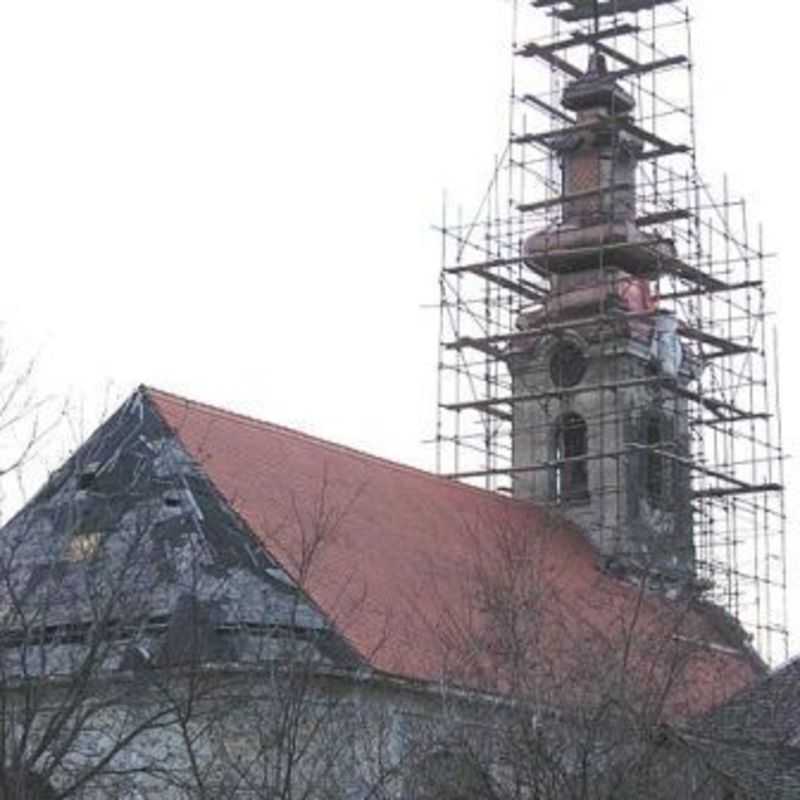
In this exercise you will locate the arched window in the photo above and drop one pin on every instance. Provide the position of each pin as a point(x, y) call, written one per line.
point(572, 469)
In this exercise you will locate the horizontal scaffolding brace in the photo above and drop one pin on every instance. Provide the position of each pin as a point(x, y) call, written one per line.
point(691, 464)
point(709, 403)
point(501, 415)
point(568, 198)
point(543, 466)
point(615, 54)
point(738, 487)
point(731, 287)
point(579, 38)
point(726, 346)
point(531, 99)
point(546, 465)
point(680, 269)
point(661, 217)
point(482, 405)
point(740, 351)
point(714, 493)
point(586, 9)
point(661, 147)
point(661, 152)
point(640, 133)
point(725, 420)
point(579, 127)
point(547, 327)
point(480, 266)
point(667, 264)
point(534, 50)
point(506, 283)
point(546, 3)
point(650, 66)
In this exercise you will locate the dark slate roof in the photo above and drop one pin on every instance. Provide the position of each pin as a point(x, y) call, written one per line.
point(386, 552)
point(754, 737)
point(191, 557)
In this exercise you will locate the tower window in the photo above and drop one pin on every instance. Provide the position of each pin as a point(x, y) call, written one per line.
point(658, 436)
point(567, 365)
point(572, 470)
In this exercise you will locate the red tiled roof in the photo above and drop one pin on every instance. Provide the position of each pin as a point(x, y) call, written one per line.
point(394, 557)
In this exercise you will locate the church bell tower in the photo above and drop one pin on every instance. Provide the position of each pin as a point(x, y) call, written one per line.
point(600, 428)
point(605, 331)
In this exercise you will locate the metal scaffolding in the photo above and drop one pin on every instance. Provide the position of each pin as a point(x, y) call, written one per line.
point(705, 268)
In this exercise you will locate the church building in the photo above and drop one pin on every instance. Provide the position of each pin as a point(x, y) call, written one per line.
point(200, 604)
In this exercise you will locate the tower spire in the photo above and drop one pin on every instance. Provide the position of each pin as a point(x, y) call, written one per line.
point(598, 261)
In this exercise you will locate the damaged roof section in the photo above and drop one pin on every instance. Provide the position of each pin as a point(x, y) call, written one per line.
point(130, 536)
point(754, 738)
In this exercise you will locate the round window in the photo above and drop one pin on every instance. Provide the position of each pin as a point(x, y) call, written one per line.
point(567, 364)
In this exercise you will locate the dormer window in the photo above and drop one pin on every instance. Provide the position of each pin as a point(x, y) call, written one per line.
point(87, 476)
point(172, 499)
point(83, 546)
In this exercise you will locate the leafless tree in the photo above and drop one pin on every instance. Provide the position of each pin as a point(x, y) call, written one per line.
point(26, 420)
point(300, 717)
point(76, 600)
point(578, 689)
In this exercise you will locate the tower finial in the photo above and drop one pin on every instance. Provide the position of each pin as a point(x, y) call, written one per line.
point(597, 89)
point(597, 65)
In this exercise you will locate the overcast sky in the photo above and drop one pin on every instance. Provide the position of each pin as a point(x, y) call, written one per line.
point(233, 200)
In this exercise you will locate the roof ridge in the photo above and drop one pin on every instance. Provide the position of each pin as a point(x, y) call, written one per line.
point(327, 443)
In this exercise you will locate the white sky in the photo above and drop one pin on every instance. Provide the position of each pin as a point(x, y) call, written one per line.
point(233, 200)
